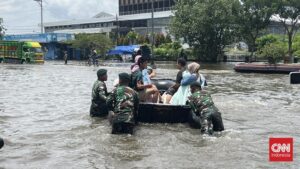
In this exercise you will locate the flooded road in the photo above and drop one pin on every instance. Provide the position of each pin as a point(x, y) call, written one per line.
point(44, 119)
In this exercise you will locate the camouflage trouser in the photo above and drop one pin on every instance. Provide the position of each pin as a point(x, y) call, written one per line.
point(209, 120)
point(121, 122)
point(98, 110)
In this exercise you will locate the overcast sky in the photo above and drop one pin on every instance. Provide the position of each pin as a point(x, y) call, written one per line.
point(23, 16)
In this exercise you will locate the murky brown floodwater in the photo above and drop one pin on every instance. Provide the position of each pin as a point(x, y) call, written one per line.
point(44, 118)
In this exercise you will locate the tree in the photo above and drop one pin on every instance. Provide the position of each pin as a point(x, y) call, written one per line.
point(274, 52)
point(132, 37)
point(206, 25)
point(168, 39)
point(141, 39)
point(147, 39)
point(289, 15)
point(96, 41)
point(2, 29)
point(253, 17)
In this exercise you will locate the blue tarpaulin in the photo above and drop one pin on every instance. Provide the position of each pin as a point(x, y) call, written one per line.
point(120, 50)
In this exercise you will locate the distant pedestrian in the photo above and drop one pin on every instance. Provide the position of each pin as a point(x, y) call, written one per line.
point(94, 57)
point(66, 57)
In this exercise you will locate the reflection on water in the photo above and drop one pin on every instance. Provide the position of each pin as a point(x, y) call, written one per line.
point(45, 121)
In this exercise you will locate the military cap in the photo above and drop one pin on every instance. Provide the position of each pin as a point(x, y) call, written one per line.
point(196, 84)
point(124, 76)
point(101, 72)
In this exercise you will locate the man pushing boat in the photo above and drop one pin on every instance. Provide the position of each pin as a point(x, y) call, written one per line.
point(204, 114)
point(123, 106)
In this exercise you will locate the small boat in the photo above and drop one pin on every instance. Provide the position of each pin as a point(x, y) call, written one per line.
point(163, 113)
point(266, 68)
point(163, 84)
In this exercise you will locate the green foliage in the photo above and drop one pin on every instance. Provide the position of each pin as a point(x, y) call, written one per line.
point(159, 39)
point(168, 38)
point(168, 51)
point(253, 17)
point(274, 52)
point(2, 30)
point(206, 25)
point(289, 12)
point(147, 39)
point(296, 46)
point(123, 41)
point(87, 42)
point(272, 47)
point(266, 40)
point(132, 37)
point(141, 39)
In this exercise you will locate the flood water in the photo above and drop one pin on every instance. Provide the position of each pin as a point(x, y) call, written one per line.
point(44, 119)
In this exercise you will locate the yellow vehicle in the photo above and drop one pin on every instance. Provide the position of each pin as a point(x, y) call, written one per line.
point(20, 52)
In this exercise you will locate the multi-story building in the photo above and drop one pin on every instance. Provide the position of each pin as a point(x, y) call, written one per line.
point(128, 7)
point(133, 15)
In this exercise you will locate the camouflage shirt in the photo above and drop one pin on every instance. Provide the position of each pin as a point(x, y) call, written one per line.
point(123, 101)
point(200, 100)
point(99, 92)
point(99, 96)
point(203, 106)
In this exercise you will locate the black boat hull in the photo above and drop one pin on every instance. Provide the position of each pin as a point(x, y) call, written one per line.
point(163, 113)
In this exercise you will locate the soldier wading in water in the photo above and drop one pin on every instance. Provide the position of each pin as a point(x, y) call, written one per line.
point(204, 114)
point(99, 95)
point(123, 106)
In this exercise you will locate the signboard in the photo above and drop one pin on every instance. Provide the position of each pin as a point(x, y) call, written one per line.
point(43, 38)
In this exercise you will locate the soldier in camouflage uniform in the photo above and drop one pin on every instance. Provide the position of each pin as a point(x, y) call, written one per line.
point(123, 106)
point(99, 95)
point(204, 114)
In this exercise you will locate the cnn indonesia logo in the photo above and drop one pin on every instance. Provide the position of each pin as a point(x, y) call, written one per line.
point(281, 149)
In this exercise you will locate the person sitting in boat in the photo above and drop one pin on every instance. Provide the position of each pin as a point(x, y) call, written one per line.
point(194, 75)
point(99, 95)
point(151, 70)
point(204, 114)
point(123, 106)
point(183, 92)
point(135, 66)
point(181, 65)
point(148, 92)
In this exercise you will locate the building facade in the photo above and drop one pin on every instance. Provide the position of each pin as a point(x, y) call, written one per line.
point(129, 7)
point(133, 15)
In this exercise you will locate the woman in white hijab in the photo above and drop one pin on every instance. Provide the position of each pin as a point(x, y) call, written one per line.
point(189, 76)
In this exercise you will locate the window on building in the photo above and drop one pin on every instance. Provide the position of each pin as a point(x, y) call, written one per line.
point(161, 5)
point(172, 3)
point(140, 7)
point(155, 5)
point(167, 3)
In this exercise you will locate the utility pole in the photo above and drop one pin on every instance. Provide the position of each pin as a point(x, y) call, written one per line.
point(118, 28)
point(41, 4)
point(152, 24)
